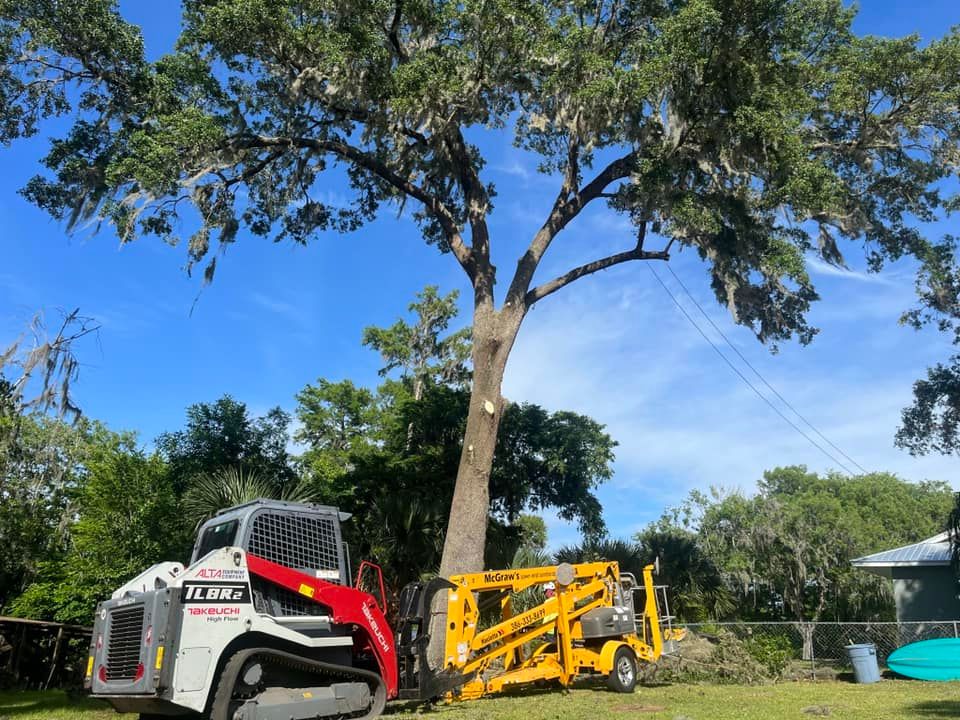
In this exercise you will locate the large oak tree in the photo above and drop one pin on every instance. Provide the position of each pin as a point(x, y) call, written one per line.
point(754, 132)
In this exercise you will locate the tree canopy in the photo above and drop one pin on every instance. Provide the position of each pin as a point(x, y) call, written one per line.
point(222, 435)
point(753, 132)
point(744, 119)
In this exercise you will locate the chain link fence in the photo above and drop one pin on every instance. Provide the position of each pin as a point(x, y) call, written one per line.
point(825, 642)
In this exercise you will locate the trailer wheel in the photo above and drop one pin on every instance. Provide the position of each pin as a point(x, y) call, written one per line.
point(623, 675)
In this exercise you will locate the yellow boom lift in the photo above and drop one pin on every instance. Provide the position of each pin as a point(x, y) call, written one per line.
point(587, 626)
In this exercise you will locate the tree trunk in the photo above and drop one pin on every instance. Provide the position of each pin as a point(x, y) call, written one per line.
point(493, 337)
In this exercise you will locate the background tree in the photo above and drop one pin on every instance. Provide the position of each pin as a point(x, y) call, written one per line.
point(41, 469)
point(337, 420)
point(533, 532)
point(223, 435)
point(418, 350)
point(390, 458)
point(932, 422)
point(127, 519)
point(785, 552)
point(752, 131)
point(624, 552)
point(697, 590)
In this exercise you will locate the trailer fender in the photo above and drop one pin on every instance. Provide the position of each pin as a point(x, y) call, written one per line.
point(607, 652)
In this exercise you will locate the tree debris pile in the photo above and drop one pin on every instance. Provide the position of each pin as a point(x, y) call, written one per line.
point(722, 657)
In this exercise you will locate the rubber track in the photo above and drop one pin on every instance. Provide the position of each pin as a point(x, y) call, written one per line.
point(231, 672)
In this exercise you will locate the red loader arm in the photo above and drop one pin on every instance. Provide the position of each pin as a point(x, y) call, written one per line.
point(347, 607)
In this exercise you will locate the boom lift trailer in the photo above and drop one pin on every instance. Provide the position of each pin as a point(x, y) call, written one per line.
point(587, 627)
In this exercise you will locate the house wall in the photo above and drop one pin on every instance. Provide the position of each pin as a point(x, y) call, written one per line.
point(925, 593)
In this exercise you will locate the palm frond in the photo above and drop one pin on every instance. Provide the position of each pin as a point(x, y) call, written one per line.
point(212, 492)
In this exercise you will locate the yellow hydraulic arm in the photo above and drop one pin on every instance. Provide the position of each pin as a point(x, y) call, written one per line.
point(547, 641)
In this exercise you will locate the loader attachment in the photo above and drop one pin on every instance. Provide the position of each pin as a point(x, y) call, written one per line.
point(419, 681)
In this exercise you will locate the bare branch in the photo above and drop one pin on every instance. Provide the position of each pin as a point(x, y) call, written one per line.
point(51, 361)
point(572, 175)
point(637, 253)
point(393, 34)
point(563, 212)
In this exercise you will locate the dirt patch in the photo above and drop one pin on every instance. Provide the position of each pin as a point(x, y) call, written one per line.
point(639, 708)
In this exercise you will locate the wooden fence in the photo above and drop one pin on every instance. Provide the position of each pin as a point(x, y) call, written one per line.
point(38, 655)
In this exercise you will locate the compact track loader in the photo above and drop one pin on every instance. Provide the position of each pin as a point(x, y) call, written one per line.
point(264, 624)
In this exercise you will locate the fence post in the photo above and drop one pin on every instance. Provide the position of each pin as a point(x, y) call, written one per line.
point(806, 632)
point(955, 629)
point(813, 654)
point(56, 658)
point(18, 653)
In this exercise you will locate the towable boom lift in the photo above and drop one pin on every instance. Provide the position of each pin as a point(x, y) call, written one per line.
point(587, 627)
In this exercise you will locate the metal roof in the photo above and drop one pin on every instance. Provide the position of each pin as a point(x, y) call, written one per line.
point(932, 551)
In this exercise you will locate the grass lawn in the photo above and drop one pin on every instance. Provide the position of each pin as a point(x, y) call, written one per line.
point(888, 700)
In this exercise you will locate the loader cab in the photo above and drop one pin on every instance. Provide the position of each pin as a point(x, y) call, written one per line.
point(300, 536)
point(215, 536)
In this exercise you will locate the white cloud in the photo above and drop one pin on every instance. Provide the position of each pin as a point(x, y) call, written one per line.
point(616, 349)
point(819, 267)
point(514, 168)
point(275, 305)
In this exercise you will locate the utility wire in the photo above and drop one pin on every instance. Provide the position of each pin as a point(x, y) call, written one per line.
point(744, 377)
point(756, 372)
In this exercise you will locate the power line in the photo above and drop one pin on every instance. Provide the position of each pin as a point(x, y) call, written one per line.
point(744, 377)
point(757, 373)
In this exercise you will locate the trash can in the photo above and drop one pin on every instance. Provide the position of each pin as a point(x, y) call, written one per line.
point(864, 660)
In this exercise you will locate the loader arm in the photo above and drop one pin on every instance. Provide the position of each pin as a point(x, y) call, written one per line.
point(347, 605)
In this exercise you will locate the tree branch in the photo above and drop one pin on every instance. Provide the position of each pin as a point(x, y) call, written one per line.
point(477, 204)
point(393, 34)
point(637, 253)
point(437, 208)
point(564, 210)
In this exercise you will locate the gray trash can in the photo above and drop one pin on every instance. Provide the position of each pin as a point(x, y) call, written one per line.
point(864, 660)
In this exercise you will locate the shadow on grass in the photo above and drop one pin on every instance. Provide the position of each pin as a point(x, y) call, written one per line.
point(935, 709)
point(531, 690)
point(13, 703)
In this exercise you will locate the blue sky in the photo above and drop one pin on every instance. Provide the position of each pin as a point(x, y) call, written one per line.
point(612, 346)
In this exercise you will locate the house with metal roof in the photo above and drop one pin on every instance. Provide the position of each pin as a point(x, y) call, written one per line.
point(924, 587)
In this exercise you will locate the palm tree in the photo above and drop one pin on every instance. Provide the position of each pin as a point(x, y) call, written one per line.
point(226, 487)
point(625, 553)
point(698, 589)
point(405, 535)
